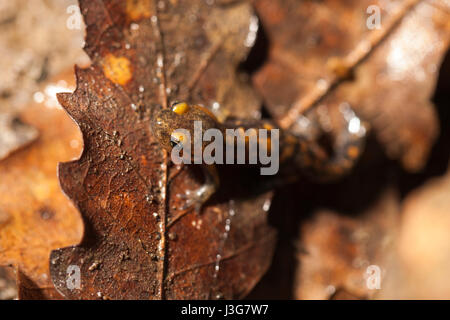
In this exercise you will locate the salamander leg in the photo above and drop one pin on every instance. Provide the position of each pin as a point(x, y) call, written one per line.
point(196, 198)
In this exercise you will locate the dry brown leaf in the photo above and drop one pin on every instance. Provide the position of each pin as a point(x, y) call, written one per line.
point(423, 247)
point(137, 244)
point(314, 46)
point(335, 251)
point(35, 216)
point(14, 134)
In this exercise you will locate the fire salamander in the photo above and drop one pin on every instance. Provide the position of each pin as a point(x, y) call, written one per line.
point(294, 148)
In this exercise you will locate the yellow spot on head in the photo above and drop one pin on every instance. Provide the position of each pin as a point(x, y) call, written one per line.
point(180, 108)
point(117, 69)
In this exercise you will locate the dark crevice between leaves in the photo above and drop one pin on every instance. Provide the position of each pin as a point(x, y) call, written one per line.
point(257, 58)
point(258, 54)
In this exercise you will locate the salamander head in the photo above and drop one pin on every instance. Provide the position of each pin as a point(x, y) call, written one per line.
point(166, 122)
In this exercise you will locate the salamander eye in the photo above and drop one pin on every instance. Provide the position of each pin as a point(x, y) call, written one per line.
point(176, 138)
point(174, 141)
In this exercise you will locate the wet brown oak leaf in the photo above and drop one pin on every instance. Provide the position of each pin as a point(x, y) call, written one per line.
point(137, 244)
point(391, 71)
point(35, 216)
